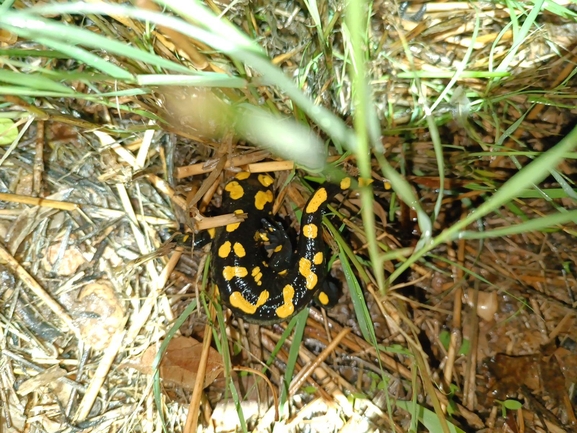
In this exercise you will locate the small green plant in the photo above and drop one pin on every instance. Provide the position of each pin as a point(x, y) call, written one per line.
point(510, 405)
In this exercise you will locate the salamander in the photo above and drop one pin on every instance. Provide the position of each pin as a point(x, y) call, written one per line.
point(269, 288)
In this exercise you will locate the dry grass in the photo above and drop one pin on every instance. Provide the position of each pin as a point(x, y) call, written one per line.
point(472, 323)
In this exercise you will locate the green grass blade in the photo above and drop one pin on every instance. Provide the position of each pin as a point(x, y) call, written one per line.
point(211, 79)
point(157, 389)
point(299, 323)
point(34, 81)
point(541, 223)
point(23, 91)
point(313, 9)
point(31, 53)
point(63, 37)
point(427, 417)
point(223, 37)
point(361, 311)
point(521, 36)
point(284, 137)
point(6, 4)
point(530, 175)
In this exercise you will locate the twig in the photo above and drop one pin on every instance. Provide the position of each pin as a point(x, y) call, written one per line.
point(38, 159)
point(31, 283)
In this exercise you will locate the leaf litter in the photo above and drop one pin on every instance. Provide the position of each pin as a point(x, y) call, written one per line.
point(86, 287)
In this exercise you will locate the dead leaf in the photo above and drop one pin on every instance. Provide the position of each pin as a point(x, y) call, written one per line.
point(45, 378)
point(179, 365)
point(68, 264)
point(99, 313)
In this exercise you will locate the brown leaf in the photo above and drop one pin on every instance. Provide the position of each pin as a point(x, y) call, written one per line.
point(510, 372)
point(45, 378)
point(7, 37)
point(100, 313)
point(67, 262)
point(179, 365)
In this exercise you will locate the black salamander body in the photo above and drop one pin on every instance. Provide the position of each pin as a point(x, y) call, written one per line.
point(256, 287)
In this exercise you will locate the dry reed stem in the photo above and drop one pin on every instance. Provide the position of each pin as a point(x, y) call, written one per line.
point(195, 399)
point(100, 376)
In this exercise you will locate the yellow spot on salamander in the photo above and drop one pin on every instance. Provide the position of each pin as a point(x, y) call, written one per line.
point(346, 183)
point(278, 249)
point(238, 249)
point(238, 301)
point(224, 250)
point(288, 308)
point(315, 202)
point(265, 180)
point(283, 272)
point(212, 233)
point(318, 258)
point(232, 227)
point(323, 298)
point(235, 189)
point(257, 275)
point(365, 181)
point(261, 198)
point(387, 185)
point(242, 175)
point(229, 272)
point(306, 271)
point(310, 231)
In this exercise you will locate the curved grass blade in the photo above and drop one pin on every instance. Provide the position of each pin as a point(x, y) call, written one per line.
point(222, 36)
point(158, 358)
point(538, 224)
point(34, 81)
point(361, 311)
point(299, 323)
point(64, 37)
point(427, 417)
point(530, 175)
